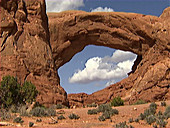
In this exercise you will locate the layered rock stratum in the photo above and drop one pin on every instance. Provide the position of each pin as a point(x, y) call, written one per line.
point(34, 45)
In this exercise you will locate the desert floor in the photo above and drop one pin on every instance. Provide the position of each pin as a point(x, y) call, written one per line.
point(91, 121)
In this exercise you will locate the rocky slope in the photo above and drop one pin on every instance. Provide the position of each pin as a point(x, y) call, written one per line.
point(33, 47)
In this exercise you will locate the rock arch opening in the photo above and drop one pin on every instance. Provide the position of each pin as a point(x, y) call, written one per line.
point(95, 68)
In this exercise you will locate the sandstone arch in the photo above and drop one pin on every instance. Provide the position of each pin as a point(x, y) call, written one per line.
point(35, 53)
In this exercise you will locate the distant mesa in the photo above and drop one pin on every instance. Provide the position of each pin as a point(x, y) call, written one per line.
point(35, 44)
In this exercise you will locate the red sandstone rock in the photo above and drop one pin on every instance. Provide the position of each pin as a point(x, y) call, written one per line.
point(33, 50)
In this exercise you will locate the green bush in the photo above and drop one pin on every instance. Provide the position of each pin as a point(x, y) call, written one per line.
point(4, 114)
point(38, 112)
point(150, 116)
point(167, 112)
point(142, 116)
point(38, 120)
point(117, 101)
point(150, 119)
point(13, 109)
point(161, 122)
point(122, 125)
point(51, 112)
point(23, 111)
point(131, 120)
point(29, 92)
point(73, 116)
point(61, 117)
point(31, 124)
point(136, 120)
point(10, 92)
point(153, 105)
point(104, 107)
point(114, 112)
point(139, 102)
point(92, 111)
point(18, 120)
point(106, 115)
point(101, 118)
point(92, 105)
point(107, 111)
point(58, 106)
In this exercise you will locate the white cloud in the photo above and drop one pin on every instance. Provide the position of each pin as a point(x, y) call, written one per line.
point(63, 5)
point(112, 68)
point(110, 83)
point(100, 9)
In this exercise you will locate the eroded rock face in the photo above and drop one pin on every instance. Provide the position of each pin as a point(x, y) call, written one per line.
point(26, 50)
point(33, 50)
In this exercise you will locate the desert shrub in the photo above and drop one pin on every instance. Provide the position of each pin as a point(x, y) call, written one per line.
point(167, 112)
point(92, 105)
point(58, 106)
point(150, 116)
point(38, 112)
point(141, 116)
point(5, 114)
point(117, 101)
point(31, 124)
point(73, 116)
point(51, 112)
point(92, 111)
point(106, 115)
point(38, 120)
point(149, 111)
point(104, 107)
point(107, 111)
point(10, 92)
point(23, 111)
point(150, 119)
point(155, 126)
point(160, 115)
point(131, 120)
point(18, 120)
point(114, 112)
point(61, 117)
point(121, 125)
point(130, 126)
point(161, 122)
point(136, 120)
point(163, 103)
point(13, 109)
point(140, 102)
point(153, 105)
point(101, 118)
point(29, 92)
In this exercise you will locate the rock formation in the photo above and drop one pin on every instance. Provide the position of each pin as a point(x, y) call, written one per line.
point(26, 50)
point(33, 47)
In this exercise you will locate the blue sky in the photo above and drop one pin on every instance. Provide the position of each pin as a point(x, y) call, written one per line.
point(96, 67)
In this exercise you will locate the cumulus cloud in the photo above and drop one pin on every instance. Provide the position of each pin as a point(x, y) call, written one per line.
point(63, 5)
point(112, 68)
point(100, 9)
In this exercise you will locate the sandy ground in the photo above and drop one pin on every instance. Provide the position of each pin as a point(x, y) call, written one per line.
point(91, 121)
